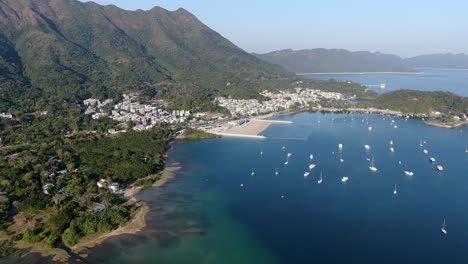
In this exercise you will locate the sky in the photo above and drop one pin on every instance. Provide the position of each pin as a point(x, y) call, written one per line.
point(402, 27)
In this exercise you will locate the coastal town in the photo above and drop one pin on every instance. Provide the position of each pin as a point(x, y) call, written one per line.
point(142, 116)
point(145, 116)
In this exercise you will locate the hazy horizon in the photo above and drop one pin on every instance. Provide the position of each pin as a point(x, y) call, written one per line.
point(402, 28)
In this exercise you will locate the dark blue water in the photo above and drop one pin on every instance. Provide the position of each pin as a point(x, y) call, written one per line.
point(205, 216)
point(455, 81)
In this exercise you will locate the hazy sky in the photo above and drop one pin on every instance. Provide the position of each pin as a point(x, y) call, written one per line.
point(402, 27)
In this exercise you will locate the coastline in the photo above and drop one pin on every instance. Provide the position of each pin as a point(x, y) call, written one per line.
point(250, 129)
point(137, 222)
point(357, 73)
point(438, 124)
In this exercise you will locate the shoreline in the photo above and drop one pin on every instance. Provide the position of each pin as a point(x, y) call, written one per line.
point(137, 222)
point(250, 129)
point(438, 124)
point(134, 225)
point(247, 134)
point(356, 73)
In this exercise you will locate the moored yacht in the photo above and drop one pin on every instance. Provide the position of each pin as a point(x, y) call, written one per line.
point(432, 159)
point(321, 179)
point(394, 190)
point(311, 157)
point(344, 179)
point(443, 230)
point(425, 151)
point(372, 167)
point(367, 147)
point(409, 173)
point(312, 166)
point(306, 174)
point(392, 149)
point(440, 168)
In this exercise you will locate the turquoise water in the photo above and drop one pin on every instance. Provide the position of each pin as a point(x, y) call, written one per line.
point(455, 81)
point(205, 216)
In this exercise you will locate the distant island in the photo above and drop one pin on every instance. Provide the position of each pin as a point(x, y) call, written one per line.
point(330, 61)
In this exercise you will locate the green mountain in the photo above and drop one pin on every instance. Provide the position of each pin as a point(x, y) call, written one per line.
point(66, 50)
point(334, 60)
point(443, 61)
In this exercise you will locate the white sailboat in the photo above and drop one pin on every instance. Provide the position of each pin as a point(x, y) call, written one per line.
point(370, 128)
point(425, 151)
point(391, 142)
point(466, 150)
point(394, 190)
point(289, 155)
point(341, 160)
point(367, 147)
point(252, 173)
point(440, 168)
point(392, 149)
point(286, 162)
point(306, 174)
point(344, 179)
point(276, 172)
point(312, 166)
point(432, 159)
point(420, 143)
point(311, 157)
point(443, 230)
point(340, 146)
point(409, 173)
point(284, 147)
point(321, 179)
point(261, 153)
point(372, 167)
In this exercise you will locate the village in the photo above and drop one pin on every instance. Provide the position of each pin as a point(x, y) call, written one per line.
point(142, 116)
point(284, 100)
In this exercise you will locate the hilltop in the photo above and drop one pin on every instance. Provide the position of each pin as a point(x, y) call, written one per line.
point(66, 50)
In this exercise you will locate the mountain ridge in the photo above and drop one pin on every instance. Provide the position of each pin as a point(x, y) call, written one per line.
point(322, 60)
point(69, 50)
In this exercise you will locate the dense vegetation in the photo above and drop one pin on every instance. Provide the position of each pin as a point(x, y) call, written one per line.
point(193, 134)
point(66, 50)
point(70, 153)
point(410, 101)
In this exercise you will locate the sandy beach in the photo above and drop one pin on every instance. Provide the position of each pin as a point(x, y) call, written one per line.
point(251, 129)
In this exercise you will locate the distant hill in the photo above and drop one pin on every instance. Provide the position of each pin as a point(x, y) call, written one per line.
point(443, 61)
point(66, 50)
point(334, 61)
